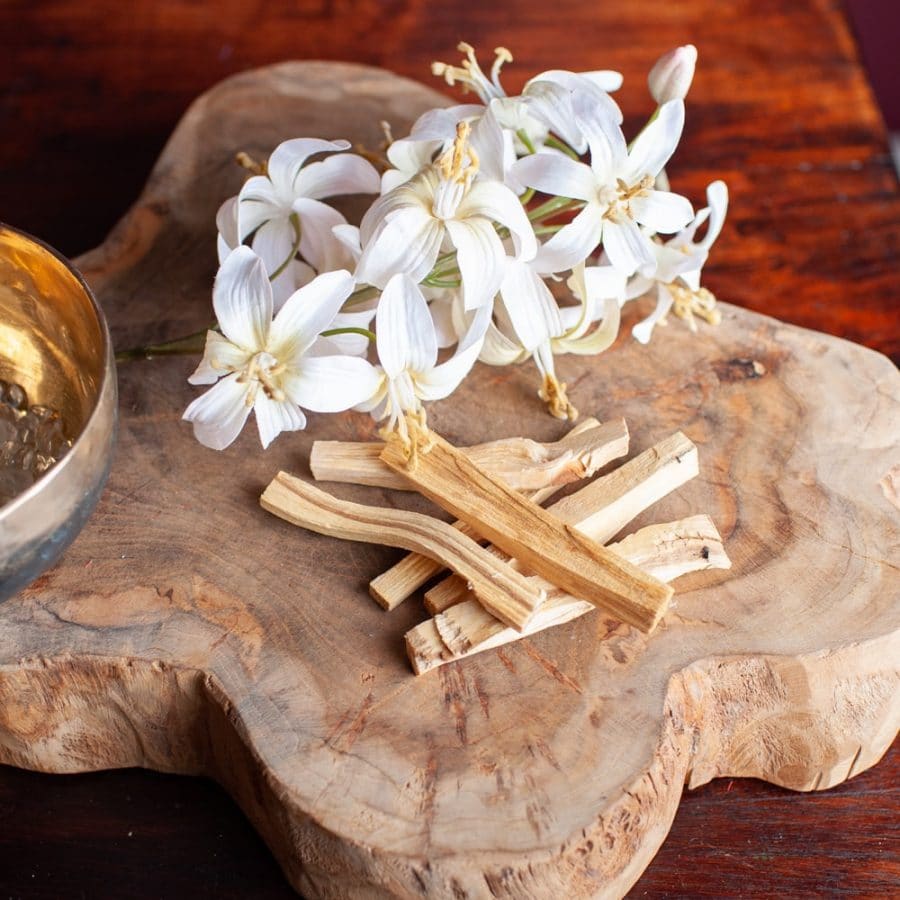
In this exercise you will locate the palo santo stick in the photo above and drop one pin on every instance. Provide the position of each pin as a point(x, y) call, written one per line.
point(601, 509)
point(606, 442)
point(665, 551)
point(523, 464)
point(542, 543)
point(509, 595)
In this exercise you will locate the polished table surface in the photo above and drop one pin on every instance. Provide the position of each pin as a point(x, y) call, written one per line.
point(780, 109)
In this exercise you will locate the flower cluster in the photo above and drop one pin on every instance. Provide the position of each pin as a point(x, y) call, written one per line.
point(509, 229)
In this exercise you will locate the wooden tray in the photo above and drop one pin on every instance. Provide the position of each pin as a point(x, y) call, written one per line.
point(186, 630)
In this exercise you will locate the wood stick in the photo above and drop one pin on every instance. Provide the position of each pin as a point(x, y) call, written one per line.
point(523, 464)
point(509, 595)
point(607, 442)
point(540, 541)
point(666, 551)
point(601, 509)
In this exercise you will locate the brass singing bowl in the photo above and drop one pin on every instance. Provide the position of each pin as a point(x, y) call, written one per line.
point(54, 343)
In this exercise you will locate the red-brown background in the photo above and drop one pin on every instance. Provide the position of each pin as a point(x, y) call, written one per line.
point(780, 109)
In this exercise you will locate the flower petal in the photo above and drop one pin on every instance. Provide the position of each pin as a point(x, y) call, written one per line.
point(500, 350)
point(307, 312)
point(318, 244)
point(496, 202)
point(242, 299)
point(643, 330)
point(257, 203)
point(227, 227)
point(332, 383)
point(600, 338)
point(440, 381)
point(220, 356)
point(532, 309)
point(288, 157)
point(654, 146)
point(345, 173)
point(573, 243)
point(220, 413)
point(662, 211)
point(628, 248)
point(295, 275)
point(405, 333)
point(480, 257)
point(717, 198)
point(409, 242)
point(275, 416)
point(552, 173)
point(273, 243)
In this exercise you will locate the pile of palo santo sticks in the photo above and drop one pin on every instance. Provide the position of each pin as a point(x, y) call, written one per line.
point(517, 568)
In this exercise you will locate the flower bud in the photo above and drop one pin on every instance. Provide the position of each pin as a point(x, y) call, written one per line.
point(673, 73)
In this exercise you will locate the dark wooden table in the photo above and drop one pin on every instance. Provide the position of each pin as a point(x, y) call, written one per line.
point(780, 109)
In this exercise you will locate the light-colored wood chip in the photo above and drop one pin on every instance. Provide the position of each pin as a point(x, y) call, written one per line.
point(541, 542)
point(666, 551)
point(524, 464)
point(602, 508)
point(509, 595)
point(594, 444)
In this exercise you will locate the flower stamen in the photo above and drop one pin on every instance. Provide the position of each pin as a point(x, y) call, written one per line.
point(460, 162)
point(553, 393)
point(687, 304)
point(470, 75)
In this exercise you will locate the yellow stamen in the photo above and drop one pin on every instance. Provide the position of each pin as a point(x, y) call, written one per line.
point(246, 161)
point(687, 304)
point(460, 162)
point(413, 433)
point(470, 75)
point(553, 393)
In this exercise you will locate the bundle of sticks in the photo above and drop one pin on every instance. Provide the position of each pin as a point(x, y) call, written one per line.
point(516, 567)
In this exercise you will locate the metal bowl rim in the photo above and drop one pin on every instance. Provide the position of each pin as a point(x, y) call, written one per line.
point(108, 373)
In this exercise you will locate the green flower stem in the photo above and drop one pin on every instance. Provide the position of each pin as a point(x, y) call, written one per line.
point(522, 135)
point(553, 207)
point(350, 329)
point(190, 344)
point(360, 295)
point(563, 147)
point(295, 223)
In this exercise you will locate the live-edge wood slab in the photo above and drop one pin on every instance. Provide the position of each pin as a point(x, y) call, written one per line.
point(186, 630)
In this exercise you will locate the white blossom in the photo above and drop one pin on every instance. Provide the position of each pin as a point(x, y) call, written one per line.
point(680, 261)
point(283, 211)
point(408, 353)
point(444, 207)
point(671, 77)
point(269, 365)
point(616, 189)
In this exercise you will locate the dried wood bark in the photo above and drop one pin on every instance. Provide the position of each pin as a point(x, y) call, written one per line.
point(605, 506)
point(524, 464)
point(665, 551)
point(543, 543)
point(510, 596)
point(607, 442)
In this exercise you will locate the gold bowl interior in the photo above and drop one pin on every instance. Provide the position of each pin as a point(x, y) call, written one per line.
point(53, 343)
point(51, 340)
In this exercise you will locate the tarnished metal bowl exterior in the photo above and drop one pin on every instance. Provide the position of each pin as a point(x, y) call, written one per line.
point(55, 343)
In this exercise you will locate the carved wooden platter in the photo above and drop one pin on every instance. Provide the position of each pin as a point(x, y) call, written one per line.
point(186, 630)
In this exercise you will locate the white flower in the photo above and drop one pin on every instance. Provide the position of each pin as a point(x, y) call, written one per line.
point(266, 365)
point(679, 264)
point(445, 206)
point(530, 324)
point(671, 77)
point(545, 103)
point(408, 352)
point(283, 210)
point(292, 276)
point(617, 190)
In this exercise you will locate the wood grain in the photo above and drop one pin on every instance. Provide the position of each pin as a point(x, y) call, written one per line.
point(789, 121)
point(201, 638)
point(544, 544)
